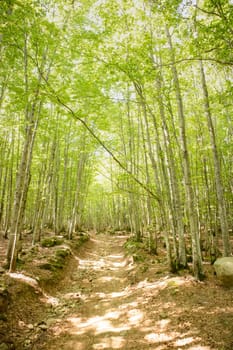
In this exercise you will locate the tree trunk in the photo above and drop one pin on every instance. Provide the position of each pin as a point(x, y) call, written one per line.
point(22, 183)
point(217, 168)
point(177, 209)
point(191, 202)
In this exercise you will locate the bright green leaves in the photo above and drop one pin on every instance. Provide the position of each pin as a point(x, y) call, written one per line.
point(103, 60)
point(214, 20)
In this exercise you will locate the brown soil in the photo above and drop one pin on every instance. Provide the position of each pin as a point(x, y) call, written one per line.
point(105, 301)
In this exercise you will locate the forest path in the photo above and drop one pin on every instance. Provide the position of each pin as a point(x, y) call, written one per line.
point(100, 310)
point(102, 306)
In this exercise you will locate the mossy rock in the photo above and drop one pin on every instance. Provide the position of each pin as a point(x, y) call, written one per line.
point(83, 237)
point(59, 259)
point(51, 241)
point(132, 245)
point(138, 258)
point(63, 252)
point(52, 265)
point(47, 266)
point(57, 264)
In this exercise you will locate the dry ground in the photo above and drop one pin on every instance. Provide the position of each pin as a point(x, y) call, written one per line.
point(105, 301)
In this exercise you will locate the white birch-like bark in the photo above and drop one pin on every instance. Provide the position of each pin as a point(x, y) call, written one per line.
point(217, 167)
point(190, 196)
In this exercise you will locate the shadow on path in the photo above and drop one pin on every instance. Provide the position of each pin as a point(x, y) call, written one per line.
point(105, 310)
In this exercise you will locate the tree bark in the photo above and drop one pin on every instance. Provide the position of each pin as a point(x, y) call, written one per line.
point(190, 196)
point(217, 168)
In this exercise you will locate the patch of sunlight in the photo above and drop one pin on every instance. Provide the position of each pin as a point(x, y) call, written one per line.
point(169, 305)
point(99, 264)
point(147, 324)
point(113, 315)
point(94, 264)
point(75, 345)
point(158, 337)
point(48, 299)
point(21, 277)
point(219, 310)
point(117, 256)
point(163, 283)
point(116, 265)
point(118, 294)
point(108, 279)
point(113, 295)
point(106, 323)
point(163, 324)
point(128, 305)
point(74, 296)
point(199, 347)
point(110, 343)
point(151, 286)
point(93, 254)
point(135, 317)
point(184, 341)
point(96, 324)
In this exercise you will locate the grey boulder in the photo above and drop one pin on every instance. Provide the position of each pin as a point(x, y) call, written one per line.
point(224, 270)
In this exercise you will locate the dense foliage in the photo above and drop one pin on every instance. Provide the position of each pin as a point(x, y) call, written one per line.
point(118, 115)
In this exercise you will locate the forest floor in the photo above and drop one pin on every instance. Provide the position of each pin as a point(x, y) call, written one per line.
point(106, 301)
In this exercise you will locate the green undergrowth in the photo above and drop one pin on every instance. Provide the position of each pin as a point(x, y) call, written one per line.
point(57, 260)
point(52, 241)
point(148, 264)
point(81, 237)
point(48, 260)
point(48, 263)
point(60, 249)
point(137, 249)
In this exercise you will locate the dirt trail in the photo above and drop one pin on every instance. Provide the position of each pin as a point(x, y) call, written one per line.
point(102, 306)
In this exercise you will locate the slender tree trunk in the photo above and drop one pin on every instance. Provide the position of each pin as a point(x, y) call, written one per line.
point(32, 114)
point(177, 211)
point(64, 187)
point(3, 182)
point(191, 203)
point(217, 168)
point(168, 211)
point(132, 158)
point(79, 188)
point(22, 183)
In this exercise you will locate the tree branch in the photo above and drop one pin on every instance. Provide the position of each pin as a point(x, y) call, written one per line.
point(225, 63)
point(208, 12)
point(99, 141)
